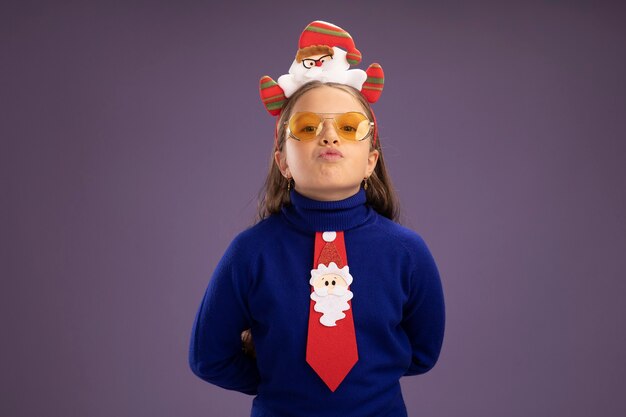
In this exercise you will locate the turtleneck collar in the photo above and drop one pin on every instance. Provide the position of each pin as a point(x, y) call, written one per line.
point(318, 216)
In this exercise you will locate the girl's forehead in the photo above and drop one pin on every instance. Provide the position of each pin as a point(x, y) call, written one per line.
point(327, 100)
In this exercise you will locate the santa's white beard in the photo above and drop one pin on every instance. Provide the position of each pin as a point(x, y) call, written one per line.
point(331, 305)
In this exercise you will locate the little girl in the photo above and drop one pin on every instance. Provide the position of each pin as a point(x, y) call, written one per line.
point(321, 306)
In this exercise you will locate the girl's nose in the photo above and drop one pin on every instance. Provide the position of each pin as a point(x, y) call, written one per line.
point(318, 63)
point(329, 134)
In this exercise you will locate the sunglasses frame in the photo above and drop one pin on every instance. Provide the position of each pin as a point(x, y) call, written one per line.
point(369, 133)
point(313, 62)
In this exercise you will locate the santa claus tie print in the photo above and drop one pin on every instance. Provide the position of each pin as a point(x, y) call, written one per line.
point(330, 292)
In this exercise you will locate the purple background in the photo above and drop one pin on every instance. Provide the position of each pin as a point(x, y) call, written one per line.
point(134, 143)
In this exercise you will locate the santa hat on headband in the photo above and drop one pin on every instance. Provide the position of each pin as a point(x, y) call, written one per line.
point(324, 33)
point(325, 53)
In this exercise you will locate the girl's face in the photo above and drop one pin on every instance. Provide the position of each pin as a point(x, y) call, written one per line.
point(322, 176)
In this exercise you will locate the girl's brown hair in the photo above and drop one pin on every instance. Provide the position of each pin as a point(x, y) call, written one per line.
point(380, 193)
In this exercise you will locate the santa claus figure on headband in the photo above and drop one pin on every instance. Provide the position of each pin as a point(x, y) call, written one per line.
point(325, 53)
point(317, 60)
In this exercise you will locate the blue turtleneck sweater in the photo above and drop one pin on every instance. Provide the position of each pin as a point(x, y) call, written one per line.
point(262, 283)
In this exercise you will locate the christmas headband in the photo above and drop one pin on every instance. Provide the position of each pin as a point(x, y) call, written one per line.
point(325, 53)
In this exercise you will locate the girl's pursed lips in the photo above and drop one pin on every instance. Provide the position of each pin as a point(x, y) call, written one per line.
point(330, 154)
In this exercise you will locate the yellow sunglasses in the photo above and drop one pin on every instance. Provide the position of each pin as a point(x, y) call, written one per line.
point(306, 126)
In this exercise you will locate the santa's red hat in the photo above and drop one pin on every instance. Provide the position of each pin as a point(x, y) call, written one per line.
point(320, 33)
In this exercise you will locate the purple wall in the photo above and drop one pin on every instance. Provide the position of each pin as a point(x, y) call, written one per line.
point(134, 143)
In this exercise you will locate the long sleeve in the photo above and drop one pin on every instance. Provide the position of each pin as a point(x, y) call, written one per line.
point(215, 352)
point(424, 314)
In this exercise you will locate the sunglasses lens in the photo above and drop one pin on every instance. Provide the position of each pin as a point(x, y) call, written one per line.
point(305, 126)
point(352, 126)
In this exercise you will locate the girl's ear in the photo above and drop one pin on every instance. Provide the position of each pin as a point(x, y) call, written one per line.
point(281, 162)
point(372, 159)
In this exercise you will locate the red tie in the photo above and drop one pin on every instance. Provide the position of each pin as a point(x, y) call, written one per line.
point(331, 344)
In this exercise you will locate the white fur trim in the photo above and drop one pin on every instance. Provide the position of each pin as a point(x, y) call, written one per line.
point(332, 268)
